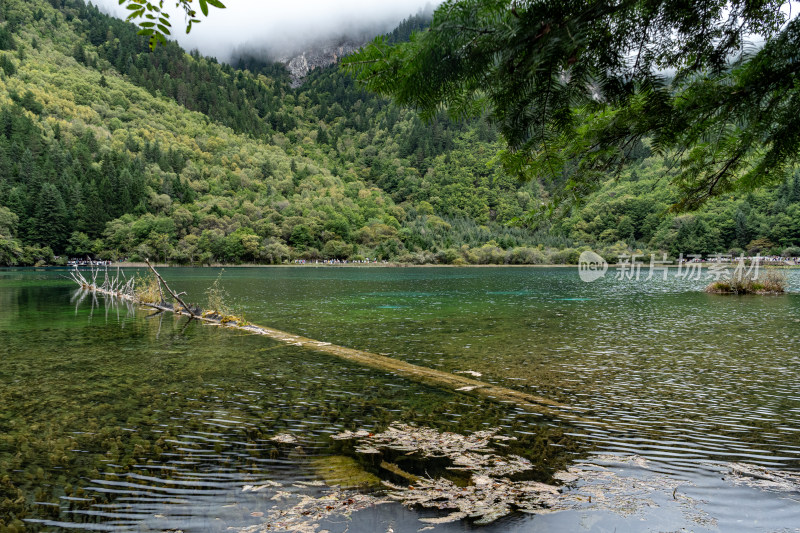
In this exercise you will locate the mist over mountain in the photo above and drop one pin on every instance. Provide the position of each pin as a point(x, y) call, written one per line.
point(302, 60)
point(299, 61)
point(279, 30)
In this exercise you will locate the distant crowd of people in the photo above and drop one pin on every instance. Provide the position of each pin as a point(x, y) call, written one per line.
point(693, 258)
point(338, 261)
point(780, 259)
point(727, 258)
point(88, 262)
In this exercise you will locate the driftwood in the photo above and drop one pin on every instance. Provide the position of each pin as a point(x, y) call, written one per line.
point(114, 286)
point(437, 378)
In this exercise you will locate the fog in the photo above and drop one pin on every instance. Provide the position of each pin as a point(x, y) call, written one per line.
point(282, 27)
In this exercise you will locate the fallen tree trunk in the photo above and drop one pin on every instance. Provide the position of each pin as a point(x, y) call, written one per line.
point(438, 378)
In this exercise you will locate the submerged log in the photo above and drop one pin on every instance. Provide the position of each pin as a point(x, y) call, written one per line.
point(437, 378)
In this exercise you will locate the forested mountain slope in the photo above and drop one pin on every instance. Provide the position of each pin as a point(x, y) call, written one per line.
point(108, 149)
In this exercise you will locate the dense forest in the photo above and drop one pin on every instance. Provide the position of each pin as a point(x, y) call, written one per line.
point(113, 151)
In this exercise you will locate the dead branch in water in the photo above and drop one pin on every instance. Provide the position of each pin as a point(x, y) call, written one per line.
point(172, 293)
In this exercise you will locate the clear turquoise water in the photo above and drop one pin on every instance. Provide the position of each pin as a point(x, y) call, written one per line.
point(114, 420)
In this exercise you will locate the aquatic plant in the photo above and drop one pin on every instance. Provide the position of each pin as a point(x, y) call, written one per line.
point(217, 297)
point(305, 514)
point(147, 289)
point(218, 305)
point(345, 472)
point(284, 438)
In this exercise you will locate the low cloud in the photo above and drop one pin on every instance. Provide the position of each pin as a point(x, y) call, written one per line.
point(281, 28)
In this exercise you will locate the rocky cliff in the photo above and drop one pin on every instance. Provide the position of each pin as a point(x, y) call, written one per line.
point(319, 55)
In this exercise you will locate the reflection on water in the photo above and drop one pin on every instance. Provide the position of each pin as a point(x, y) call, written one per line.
point(113, 420)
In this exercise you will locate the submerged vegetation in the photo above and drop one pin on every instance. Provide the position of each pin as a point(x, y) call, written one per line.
point(763, 478)
point(67, 444)
point(483, 491)
point(345, 472)
point(463, 477)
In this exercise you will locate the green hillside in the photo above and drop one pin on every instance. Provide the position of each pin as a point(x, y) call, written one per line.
point(110, 150)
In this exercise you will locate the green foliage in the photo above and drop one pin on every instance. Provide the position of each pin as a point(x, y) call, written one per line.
point(10, 251)
point(791, 251)
point(9, 69)
point(7, 41)
point(8, 221)
point(765, 221)
point(183, 160)
point(28, 101)
point(336, 249)
point(48, 224)
point(155, 22)
point(56, 187)
point(575, 87)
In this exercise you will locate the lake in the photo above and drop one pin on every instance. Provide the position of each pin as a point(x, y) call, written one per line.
point(115, 419)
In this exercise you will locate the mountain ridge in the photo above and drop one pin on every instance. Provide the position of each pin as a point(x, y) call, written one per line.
point(110, 150)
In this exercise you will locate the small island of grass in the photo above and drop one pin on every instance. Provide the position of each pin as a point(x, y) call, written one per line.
point(767, 282)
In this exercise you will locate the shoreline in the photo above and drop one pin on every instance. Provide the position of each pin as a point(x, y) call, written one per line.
point(130, 264)
point(325, 265)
